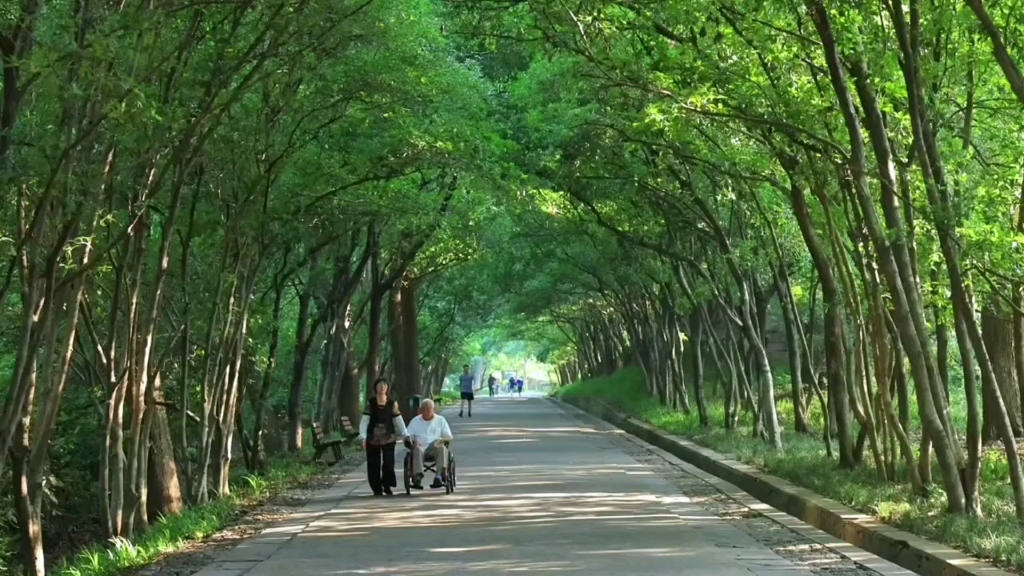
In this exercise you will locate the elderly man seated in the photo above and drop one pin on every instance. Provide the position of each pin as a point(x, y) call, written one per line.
point(428, 433)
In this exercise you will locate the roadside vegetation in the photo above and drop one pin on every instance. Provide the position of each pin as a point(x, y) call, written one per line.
point(195, 524)
point(994, 536)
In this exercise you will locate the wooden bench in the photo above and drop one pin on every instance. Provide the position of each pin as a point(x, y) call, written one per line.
point(348, 430)
point(320, 445)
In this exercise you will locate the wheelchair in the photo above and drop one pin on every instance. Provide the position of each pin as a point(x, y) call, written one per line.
point(430, 465)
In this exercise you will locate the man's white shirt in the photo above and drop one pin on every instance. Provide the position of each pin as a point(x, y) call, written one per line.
point(426, 432)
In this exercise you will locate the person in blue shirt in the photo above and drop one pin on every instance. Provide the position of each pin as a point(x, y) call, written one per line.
point(511, 385)
point(519, 386)
point(466, 388)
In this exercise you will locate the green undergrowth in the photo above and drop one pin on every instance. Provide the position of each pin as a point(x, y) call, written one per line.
point(996, 536)
point(447, 398)
point(171, 534)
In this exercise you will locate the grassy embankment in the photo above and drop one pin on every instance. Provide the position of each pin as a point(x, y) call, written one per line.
point(197, 523)
point(996, 536)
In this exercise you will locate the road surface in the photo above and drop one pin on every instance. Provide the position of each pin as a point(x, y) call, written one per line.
point(547, 490)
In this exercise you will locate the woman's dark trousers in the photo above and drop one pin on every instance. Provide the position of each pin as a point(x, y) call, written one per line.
point(380, 467)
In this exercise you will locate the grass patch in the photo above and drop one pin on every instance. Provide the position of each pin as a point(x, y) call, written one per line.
point(168, 535)
point(447, 398)
point(198, 523)
point(995, 537)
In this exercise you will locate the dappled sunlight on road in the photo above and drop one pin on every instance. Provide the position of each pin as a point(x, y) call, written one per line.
point(539, 433)
point(661, 552)
point(427, 567)
point(503, 472)
point(497, 512)
point(538, 492)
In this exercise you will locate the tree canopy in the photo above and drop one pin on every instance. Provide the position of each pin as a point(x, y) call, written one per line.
point(221, 222)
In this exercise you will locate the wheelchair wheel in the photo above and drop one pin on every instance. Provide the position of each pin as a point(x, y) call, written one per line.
point(407, 473)
point(449, 477)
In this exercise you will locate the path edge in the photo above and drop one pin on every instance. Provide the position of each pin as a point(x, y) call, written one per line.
point(861, 530)
point(279, 532)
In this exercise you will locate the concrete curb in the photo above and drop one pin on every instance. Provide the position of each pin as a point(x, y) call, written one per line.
point(861, 530)
point(857, 555)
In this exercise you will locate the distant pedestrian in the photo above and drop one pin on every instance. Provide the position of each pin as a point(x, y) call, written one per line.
point(519, 386)
point(490, 384)
point(466, 387)
point(511, 385)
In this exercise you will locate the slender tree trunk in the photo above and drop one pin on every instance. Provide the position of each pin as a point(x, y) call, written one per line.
point(28, 503)
point(1017, 307)
point(259, 454)
point(902, 288)
point(942, 350)
point(399, 388)
point(303, 343)
point(1006, 62)
point(793, 348)
point(351, 397)
point(332, 365)
point(410, 353)
point(837, 410)
point(945, 219)
point(697, 354)
point(880, 338)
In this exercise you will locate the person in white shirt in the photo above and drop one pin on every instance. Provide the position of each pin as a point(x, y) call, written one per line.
point(428, 433)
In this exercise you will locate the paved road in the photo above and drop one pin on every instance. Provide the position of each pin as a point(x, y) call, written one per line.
point(544, 490)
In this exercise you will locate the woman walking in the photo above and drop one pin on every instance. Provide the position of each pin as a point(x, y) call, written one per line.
point(383, 421)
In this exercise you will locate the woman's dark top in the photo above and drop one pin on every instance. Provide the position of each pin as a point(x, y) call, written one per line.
point(382, 421)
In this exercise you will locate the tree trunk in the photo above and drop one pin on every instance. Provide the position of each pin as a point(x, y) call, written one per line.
point(398, 385)
point(906, 295)
point(164, 490)
point(793, 348)
point(333, 364)
point(997, 330)
point(303, 342)
point(1018, 341)
point(1017, 307)
point(410, 353)
point(350, 399)
point(697, 354)
point(766, 389)
point(942, 351)
point(375, 318)
point(230, 393)
point(1006, 62)
point(28, 501)
point(886, 359)
point(835, 330)
point(944, 217)
point(258, 459)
